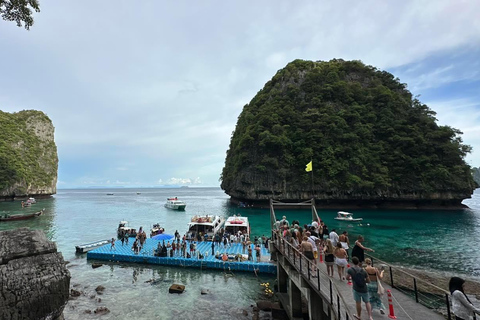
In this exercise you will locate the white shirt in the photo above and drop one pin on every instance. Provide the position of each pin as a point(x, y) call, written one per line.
point(312, 240)
point(334, 238)
point(461, 307)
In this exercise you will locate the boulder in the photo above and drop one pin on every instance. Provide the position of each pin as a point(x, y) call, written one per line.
point(101, 310)
point(205, 291)
point(35, 280)
point(176, 288)
point(264, 305)
point(100, 289)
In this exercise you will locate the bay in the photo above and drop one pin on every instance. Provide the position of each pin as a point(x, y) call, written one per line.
point(434, 240)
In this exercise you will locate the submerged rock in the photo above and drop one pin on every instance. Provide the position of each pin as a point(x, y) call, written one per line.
point(176, 288)
point(35, 283)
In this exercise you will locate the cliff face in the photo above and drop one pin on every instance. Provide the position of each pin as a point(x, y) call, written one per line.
point(35, 281)
point(28, 155)
point(371, 143)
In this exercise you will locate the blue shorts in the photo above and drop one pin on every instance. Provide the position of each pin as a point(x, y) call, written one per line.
point(359, 296)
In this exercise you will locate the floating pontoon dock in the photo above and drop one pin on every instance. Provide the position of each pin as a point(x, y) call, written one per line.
point(125, 254)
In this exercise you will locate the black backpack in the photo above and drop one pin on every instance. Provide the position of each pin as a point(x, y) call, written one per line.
point(359, 279)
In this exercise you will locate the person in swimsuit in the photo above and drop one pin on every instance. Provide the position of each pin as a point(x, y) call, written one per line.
point(329, 257)
point(341, 260)
point(307, 249)
point(374, 274)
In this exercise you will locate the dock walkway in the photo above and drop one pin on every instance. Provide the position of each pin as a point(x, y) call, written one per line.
point(125, 253)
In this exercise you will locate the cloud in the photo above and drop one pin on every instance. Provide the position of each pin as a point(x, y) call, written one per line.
point(156, 89)
point(183, 181)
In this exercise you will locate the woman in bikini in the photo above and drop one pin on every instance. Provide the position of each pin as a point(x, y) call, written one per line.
point(341, 260)
point(329, 257)
point(374, 275)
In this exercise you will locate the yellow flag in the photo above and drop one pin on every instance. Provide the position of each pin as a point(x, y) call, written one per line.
point(309, 166)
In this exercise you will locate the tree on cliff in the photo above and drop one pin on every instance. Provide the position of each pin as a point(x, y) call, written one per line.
point(368, 138)
point(19, 11)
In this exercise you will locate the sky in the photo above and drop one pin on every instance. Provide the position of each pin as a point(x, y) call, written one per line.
point(147, 93)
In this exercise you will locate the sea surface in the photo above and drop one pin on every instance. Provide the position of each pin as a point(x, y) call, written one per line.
point(442, 241)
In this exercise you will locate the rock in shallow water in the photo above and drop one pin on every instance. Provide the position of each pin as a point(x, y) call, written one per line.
point(176, 288)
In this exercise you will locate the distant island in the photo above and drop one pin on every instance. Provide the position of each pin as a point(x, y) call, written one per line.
point(28, 155)
point(371, 143)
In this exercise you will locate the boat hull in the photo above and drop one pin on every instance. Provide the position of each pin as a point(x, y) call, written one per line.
point(352, 220)
point(21, 216)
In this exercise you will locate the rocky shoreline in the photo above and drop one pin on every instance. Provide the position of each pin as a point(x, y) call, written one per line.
point(34, 277)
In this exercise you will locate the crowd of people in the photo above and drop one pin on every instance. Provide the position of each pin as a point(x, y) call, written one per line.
point(317, 243)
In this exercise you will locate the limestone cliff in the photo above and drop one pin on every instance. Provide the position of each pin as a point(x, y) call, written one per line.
point(370, 141)
point(34, 279)
point(28, 155)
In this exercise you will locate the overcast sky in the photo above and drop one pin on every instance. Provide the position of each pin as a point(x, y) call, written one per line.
point(147, 93)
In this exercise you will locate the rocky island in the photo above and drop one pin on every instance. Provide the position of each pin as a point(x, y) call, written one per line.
point(371, 143)
point(28, 155)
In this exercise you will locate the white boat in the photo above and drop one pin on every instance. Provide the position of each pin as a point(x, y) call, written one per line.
point(31, 200)
point(346, 216)
point(175, 204)
point(90, 246)
point(208, 224)
point(237, 223)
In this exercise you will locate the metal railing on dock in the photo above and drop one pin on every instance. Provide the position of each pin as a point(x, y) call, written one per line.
point(320, 281)
point(423, 291)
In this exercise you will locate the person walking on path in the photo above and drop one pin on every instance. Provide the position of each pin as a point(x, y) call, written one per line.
point(307, 249)
point(374, 275)
point(333, 237)
point(360, 291)
point(359, 249)
point(341, 260)
point(462, 307)
point(329, 257)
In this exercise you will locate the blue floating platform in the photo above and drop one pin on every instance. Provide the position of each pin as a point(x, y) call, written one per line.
point(125, 253)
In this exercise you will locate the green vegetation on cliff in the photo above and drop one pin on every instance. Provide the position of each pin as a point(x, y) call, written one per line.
point(367, 136)
point(28, 154)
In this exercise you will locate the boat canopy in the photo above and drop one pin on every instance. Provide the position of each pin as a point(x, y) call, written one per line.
point(344, 214)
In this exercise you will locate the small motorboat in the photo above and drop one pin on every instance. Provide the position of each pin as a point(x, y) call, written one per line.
point(124, 229)
point(175, 204)
point(156, 229)
point(31, 200)
point(13, 217)
point(90, 246)
point(346, 216)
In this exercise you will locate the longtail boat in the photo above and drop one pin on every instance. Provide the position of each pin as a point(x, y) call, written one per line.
point(12, 217)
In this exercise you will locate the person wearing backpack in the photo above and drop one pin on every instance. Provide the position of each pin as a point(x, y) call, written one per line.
point(360, 291)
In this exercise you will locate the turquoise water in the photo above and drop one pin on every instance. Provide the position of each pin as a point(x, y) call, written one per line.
point(442, 241)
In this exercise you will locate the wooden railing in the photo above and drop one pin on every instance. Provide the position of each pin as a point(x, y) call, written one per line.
point(320, 281)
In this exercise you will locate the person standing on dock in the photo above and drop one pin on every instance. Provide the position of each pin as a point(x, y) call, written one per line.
point(360, 290)
point(250, 257)
point(333, 237)
point(213, 248)
point(113, 244)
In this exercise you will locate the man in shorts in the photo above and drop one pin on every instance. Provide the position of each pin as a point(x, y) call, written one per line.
point(360, 291)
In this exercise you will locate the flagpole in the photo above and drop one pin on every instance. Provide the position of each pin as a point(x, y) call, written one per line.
point(313, 195)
